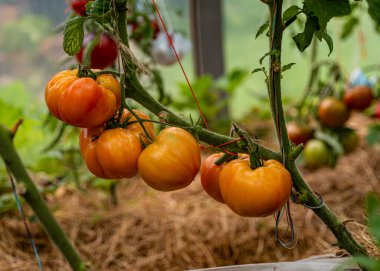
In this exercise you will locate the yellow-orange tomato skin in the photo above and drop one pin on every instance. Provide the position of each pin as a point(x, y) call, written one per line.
point(82, 102)
point(255, 193)
point(110, 154)
point(210, 176)
point(171, 162)
point(136, 128)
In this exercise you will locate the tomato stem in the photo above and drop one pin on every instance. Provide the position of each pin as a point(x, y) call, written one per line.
point(225, 158)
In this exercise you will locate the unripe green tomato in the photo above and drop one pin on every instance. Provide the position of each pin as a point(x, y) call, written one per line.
point(349, 140)
point(316, 153)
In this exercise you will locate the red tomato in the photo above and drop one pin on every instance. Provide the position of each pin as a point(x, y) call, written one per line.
point(110, 154)
point(172, 161)
point(333, 112)
point(79, 6)
point(82, 102)
point(255, 192)
point(359, 97)
point(210, 176)
point(299, 134)
point(377, 110)
point(103, 55)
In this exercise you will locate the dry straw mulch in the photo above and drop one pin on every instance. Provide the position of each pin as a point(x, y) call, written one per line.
point(186, 229)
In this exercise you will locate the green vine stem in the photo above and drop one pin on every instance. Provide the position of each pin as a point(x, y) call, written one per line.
point(34, 199)
point(343, 236)
point(137, 92)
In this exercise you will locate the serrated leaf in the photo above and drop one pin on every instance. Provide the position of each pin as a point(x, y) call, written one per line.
point(290, 12)
point(331, 140)
point(348, 27)
point(304, 39)
point(99, 7)
point(73, 35)
point(374, 10)
point(262, 28)
point(257, 70)
point(287, 67)
point(329, 42)
point(327, 9)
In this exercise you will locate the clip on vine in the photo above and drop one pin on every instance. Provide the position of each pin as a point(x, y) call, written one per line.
point(291, 242)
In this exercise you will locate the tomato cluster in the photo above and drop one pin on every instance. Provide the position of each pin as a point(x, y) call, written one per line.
point(248, 192)
point(112, 146)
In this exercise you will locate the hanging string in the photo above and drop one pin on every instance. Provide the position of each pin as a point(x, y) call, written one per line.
point(284, 241)
point(19, 207)
point(180, 63)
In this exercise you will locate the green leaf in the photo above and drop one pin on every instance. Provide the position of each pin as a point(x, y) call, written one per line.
point(304, 39)
point(327, 9)
point(331, 140)
point(374, 10)
point(290, 12)
point(373, 212)
point(287, 67)
point(373, 136)
point(348, 27)
point(329, 42)
point(257, 70)
point(73, 35)
point(275, 53)
point(99, 7)
point(262, 28)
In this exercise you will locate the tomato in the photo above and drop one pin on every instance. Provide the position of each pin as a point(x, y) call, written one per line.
point(172, 161)
point(349, 140)
point(79, 6)
point(359, 97)
point(82, 102)
point(103, 55)
point(210, 176)
point(136, 128)
point(316, 153)
point(377, 110)
point(110, 154)
point(333, 112)
point(299, 134)
point(255, 192)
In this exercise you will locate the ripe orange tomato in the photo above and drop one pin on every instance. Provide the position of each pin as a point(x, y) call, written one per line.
point(299, 134)
point(210, 176)
point(172, 161)
point(255, 192)
point(333, 112)
point(136, 128)
point(110, 154)
point(82, 102)
point(359, 97)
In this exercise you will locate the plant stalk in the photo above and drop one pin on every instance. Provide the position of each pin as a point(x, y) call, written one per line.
point(343, 236)
point(34, 199)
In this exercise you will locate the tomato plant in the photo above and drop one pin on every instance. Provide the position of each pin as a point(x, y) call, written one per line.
point(299, 134)
point(316, 153)
point(82, 102)
point(333, 112)
point(255, 192)
point(358, 98)
point(210, 176)
point(79, 6)
point(103, 54)
point(172, 161)
point(135, 127)
point(110, 154)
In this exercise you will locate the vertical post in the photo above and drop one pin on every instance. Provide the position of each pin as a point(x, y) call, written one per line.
point(206, 28)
